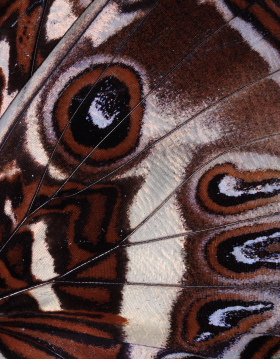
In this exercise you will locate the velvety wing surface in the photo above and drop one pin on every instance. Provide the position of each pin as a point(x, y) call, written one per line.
point(141, 186)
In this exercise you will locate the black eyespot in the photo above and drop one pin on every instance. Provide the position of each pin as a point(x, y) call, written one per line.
point(250, 251)
point(106, 107)
point(226, 189)
point(204, 318)
point(105, 111)
point(218, 316)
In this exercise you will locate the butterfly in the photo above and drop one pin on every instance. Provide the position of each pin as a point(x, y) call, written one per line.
point(140, 179)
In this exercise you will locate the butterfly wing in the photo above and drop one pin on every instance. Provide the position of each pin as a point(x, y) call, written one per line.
point(29, 32)
point(141, 185)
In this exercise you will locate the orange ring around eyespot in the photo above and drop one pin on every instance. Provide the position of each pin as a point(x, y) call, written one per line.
point(212, 251)
point(132, 81)
point(248, 176)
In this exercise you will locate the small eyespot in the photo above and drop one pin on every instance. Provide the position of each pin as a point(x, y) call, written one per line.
point(211, 317)
point(226, 190)
point(246, 252)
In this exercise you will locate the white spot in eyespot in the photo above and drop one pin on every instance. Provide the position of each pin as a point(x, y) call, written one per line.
point(97, 117)
point(219, 317)
point(229, 186)
point(204, 336)
point(246, 253)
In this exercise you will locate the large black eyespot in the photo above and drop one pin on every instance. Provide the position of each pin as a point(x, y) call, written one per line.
point(106, 106)
point(105, 111)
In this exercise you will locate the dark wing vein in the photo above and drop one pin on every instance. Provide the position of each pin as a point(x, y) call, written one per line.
point(33, 64)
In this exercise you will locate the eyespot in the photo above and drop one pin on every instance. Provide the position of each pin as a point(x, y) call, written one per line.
point(226, 190)
point(105, 108)
point(105, 113)
point(245, 252)
point(209, 317)
point(218, 316)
